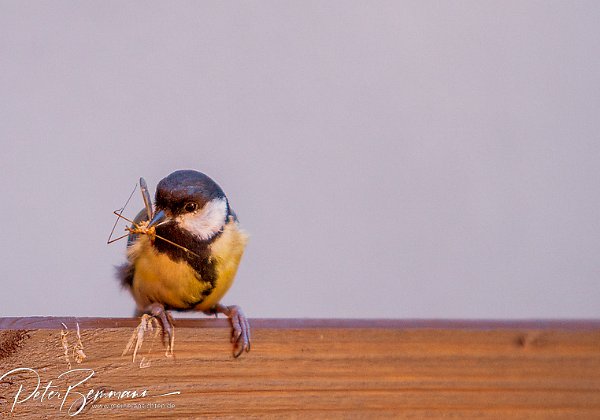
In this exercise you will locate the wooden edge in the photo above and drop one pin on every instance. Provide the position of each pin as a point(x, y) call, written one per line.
point(28, 323)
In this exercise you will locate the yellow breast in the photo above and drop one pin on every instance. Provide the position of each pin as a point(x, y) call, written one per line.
point(158, 278)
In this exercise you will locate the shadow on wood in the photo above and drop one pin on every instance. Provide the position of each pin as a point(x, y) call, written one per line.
point(303, 368)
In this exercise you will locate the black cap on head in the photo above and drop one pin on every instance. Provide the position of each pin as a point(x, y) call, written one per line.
point(184, 186)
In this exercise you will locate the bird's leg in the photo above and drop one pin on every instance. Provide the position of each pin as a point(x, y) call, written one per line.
point(240, 334)
point(158, 311)
point(150, 314)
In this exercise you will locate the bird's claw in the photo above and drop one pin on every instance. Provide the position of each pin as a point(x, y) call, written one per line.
point(241, 331)
point(240, 334)
point(166, 320)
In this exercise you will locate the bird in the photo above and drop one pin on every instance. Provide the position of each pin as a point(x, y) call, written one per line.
point(184, 253)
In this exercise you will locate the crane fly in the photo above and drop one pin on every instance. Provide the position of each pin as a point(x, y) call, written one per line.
point(142, 227)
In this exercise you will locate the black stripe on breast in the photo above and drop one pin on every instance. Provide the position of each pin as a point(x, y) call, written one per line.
point(202, 263)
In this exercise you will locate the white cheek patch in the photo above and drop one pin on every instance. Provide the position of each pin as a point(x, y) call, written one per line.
point(206, 222)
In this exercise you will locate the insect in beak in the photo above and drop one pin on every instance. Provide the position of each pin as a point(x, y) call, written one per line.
point(149, 228)
point(144, 228)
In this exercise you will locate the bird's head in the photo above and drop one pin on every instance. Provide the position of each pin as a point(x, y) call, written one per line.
point(193, 202)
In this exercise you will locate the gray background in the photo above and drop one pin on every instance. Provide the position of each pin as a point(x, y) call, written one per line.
point(390, 159)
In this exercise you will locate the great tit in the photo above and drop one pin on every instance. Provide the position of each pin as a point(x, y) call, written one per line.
point(183, 254)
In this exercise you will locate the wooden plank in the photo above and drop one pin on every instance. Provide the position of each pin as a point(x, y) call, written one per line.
point(308, 368)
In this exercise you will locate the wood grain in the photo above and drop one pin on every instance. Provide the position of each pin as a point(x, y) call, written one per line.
point(312, 368)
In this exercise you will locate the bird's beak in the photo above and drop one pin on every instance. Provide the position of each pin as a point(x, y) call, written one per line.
point(157, 219)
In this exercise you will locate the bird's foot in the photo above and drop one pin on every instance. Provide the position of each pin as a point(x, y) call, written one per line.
point(154, 317)
point(240, 334)
point(166, 322)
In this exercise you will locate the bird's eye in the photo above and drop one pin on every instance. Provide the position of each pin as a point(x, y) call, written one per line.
point(190, 207)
